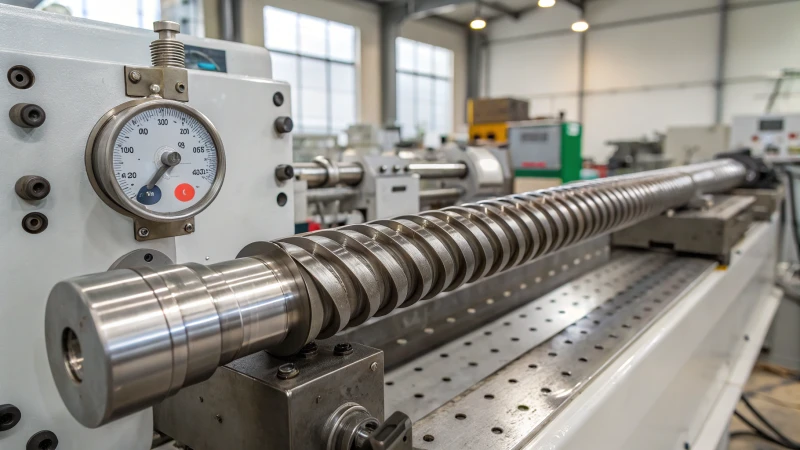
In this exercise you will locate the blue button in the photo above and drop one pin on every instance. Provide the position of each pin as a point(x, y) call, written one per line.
point(149, 196)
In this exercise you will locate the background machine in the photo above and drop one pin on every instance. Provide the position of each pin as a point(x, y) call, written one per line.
point(154, 289)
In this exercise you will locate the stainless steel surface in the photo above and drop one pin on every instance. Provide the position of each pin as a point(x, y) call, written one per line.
point(245, 406)
point(407, 333)
point(177, 325)
point(348, 427)
point(319, 174)
point(712, 231)
point(451, 195)
point(322, 172)
point(511, 404)
point(141, 257)
point(317, 284)
point(438, 170)
point(767, 201)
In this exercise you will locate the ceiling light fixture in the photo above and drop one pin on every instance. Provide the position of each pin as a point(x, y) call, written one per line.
point(547, 3)
point(477, 23)
point(580, 26)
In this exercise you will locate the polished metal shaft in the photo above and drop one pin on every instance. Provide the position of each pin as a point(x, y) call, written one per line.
point(123, 340)
point(432, 170)
point(324, 173)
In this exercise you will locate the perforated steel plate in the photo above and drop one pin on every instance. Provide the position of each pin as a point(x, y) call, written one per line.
point(501, 390)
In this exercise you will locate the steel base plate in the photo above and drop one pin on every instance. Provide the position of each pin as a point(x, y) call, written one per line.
point(498, 392)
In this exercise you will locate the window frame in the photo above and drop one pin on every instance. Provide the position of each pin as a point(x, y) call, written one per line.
point(433, 77)
point(328, 61)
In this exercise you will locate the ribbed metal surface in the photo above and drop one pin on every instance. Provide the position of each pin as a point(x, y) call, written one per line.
point(419, 256)
point(304, 287)
point(167, 53)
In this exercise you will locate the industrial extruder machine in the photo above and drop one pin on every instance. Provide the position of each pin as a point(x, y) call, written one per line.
point(156, 295)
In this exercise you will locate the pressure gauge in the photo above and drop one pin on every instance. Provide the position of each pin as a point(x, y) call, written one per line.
point(155, 159)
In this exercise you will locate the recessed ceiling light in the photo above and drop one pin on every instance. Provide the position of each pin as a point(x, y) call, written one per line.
point(477, 24)
point(580, 26)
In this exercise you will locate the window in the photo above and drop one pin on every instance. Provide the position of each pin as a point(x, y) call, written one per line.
point(424, 88)
point(317, 58)
point(132, 13)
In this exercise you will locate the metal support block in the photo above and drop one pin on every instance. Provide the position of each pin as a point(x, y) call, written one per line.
point(767, 201)
point(246, 406)
point(712, 231)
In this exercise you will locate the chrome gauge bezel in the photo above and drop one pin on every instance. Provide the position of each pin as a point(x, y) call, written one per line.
point(99, 160)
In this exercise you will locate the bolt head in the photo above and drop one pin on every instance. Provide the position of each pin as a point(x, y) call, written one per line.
point(166, 25)
point(277, 99)
point(284, 124)
point(180, 87)
point(342, 349)
point(284, 172)
point(287, 371)
point(155, 89)
point(189, 228)
point(310, 348)
point(143, 232)
point(135, 76)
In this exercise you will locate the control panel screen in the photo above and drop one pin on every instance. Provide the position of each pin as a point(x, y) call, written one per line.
point(534, 137)
point(771, 125)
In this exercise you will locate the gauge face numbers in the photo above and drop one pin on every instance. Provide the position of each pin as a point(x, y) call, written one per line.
point(165, 160)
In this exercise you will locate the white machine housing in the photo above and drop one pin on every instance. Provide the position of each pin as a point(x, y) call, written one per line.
point(775, 134)
point(386, 189)
point(79, 76)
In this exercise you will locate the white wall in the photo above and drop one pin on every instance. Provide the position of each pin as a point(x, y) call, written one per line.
point(650, 64)
point(365, 17)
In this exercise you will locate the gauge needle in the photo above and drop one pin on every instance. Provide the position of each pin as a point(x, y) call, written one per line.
point(168, 160)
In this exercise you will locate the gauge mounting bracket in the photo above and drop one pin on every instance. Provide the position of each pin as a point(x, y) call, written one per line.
point(172, 82)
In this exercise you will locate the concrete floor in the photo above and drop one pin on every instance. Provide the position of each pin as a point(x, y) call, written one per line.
point(777, 398)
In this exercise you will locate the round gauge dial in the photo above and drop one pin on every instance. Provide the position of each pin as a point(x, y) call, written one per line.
point(160, 160)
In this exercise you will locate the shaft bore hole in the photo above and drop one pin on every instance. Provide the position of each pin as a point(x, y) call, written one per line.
point(73, 356)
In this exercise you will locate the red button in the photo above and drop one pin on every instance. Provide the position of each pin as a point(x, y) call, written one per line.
point(184, 192)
